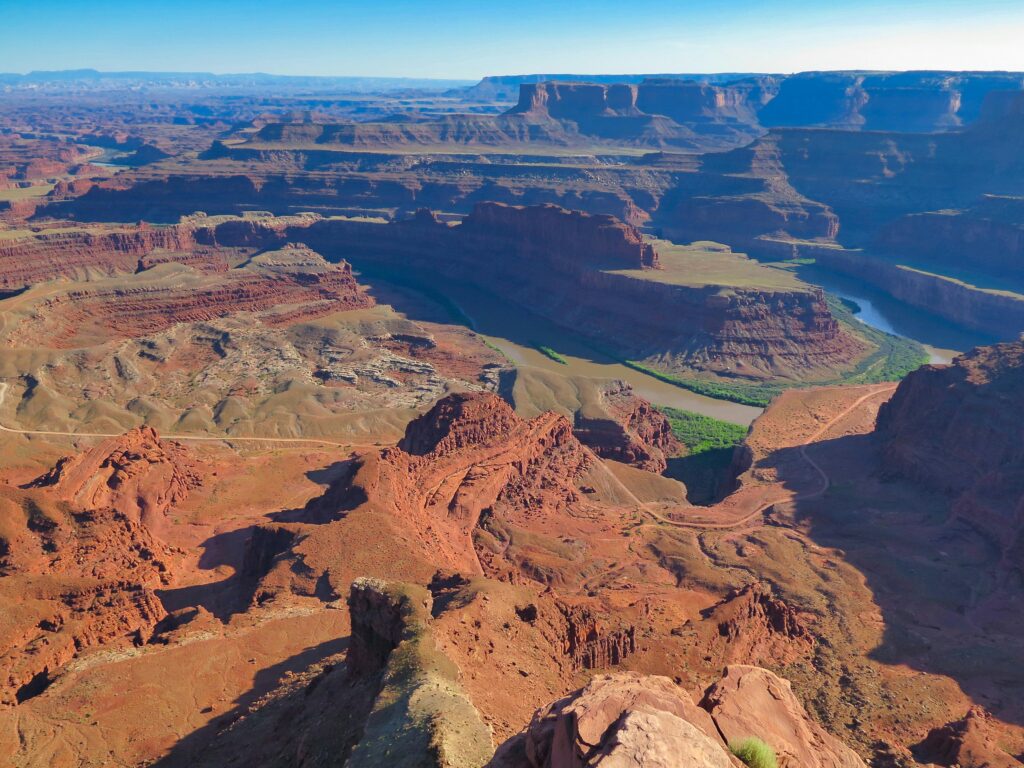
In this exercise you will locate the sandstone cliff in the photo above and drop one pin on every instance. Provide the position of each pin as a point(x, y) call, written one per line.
point(997, 313)
point(955, 428)
point(587, 273)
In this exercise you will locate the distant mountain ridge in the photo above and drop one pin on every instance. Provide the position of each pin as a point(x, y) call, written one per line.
point(113, 80)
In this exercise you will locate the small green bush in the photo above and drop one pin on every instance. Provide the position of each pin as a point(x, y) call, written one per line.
point(550, 353)
point(754, 753)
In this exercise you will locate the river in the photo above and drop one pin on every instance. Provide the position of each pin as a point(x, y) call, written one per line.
point(518, 333)
point(942, 340)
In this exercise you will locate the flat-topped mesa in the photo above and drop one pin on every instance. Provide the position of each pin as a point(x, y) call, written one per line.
point(566, 240)
point(81, 252)
point(684, 102)
point(570, 101)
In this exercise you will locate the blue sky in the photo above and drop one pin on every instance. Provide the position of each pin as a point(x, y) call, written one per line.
point(469, 39)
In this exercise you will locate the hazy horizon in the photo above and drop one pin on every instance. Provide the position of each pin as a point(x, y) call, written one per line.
point(463, 40)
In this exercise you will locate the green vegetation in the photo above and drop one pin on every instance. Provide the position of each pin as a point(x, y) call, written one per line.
point(706, 263)
point(758, 395)
point(550, 353)
point(754, 753)
point(495, 348)
point(701, 433)
point(893, 359)
point(25, 193)
point(851, 305)
point(710, 445)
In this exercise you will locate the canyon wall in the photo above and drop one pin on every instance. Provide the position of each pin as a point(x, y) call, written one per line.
point(582, 271)
point(957, 428)
point(77, 253)
point(997, 313)
point(985, 238)
point(569, 267)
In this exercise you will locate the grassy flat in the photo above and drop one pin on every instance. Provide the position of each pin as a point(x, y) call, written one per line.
point(24, 193)
point(705, 263)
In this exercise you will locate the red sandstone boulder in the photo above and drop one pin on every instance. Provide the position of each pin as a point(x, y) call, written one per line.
point(618, 720)
point(636, 720)
point(750, 702)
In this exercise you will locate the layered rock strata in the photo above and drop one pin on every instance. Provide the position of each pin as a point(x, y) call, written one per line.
point(80, 563)
point(953, 428)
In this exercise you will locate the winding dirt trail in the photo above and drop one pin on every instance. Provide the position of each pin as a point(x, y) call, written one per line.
point(645, 508)
point(826, 482)
point(200, 438)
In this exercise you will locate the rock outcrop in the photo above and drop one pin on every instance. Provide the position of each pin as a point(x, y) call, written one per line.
point(70, 581)
point(968, 743)
point(754, 623)
point(625, 719)
point(950, 427)
point(467, 465)
point(79, 558)
point(591, 642)
point(137, 474)
point(631, 430)
point(631, 719)
point(421, 716)
point(753, 702)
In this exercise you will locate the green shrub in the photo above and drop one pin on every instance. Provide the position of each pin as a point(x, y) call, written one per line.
point(754, 753)
point(710, 443)
point(700, 433)
point(550, 353)
point(758, 395)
